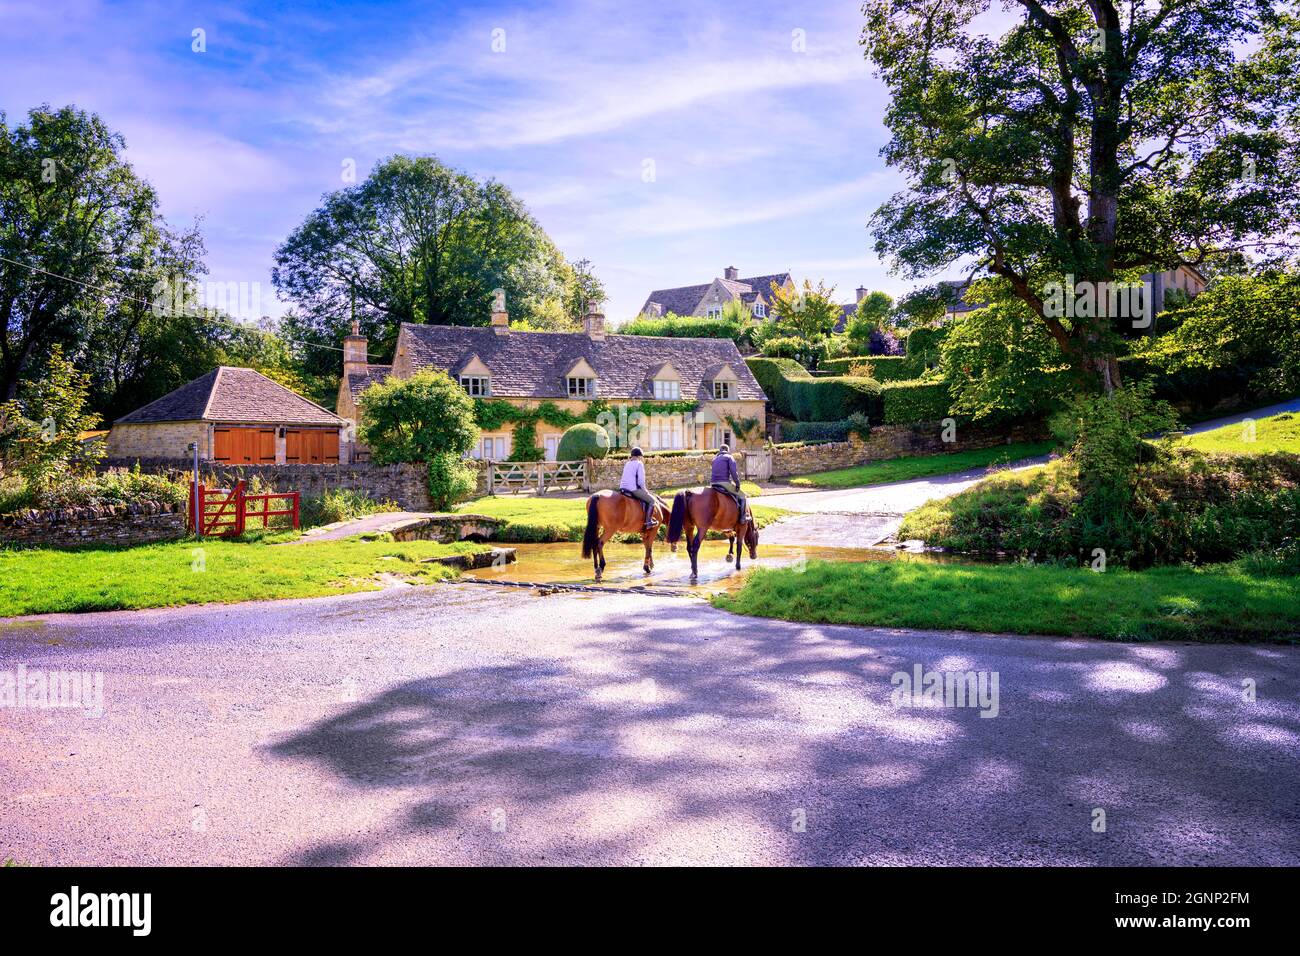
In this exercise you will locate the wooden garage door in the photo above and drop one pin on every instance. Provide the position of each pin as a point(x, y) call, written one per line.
point(311, 446)
point(244, 446)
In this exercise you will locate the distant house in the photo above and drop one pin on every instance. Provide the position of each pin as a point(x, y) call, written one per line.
point(572, 370)
point(709, 298)
point(849, 308)
point(1186, 279)
point(235, 416)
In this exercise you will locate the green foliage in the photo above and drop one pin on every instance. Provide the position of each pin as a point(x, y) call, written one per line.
point(910, 467)
point(903, 403)
point(1039, 153)
point(1000, 363)
point(807, 354)
point(814, 432)
point(582, 441)
point(1184, 506)
point(808, 313)
point(417, 418)
point(1246, 326)
point(774, 375)
point(860, 425)
point(40, 432)
point(743, 428)
point(339, 504)
point(796, 394)
point(450, 480)
point(883, 368)
point(418, 241)
point(924, 344)
point(873, 312)
point(736, 328)
point(1282, 561)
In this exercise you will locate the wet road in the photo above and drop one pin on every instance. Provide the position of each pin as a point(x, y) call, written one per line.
point(470, 724)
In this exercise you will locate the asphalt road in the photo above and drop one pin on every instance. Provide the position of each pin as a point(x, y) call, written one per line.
point(467, 724)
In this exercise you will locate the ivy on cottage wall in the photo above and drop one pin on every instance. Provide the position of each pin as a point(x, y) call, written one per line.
point(492, 414)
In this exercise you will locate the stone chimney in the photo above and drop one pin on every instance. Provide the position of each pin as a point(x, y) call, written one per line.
point(354, 350)
point(731, 272)
point(862, 293)
point(500, 318)
point(593, 323)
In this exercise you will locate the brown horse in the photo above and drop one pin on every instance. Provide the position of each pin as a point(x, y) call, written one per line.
point(695, 513)
point(610, 513)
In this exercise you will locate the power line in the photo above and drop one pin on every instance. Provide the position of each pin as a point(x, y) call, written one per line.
point(229, 323)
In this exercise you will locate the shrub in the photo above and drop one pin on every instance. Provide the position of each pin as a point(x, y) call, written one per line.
point(883, 368)
point(906, 402)
point(688, 327)
point(805, 432)
point(339, 504)
point(40, 433)
point(796, 394)
point(923, 345)
point(587, 440)
point(417, 418)
point(775, 375)
point(859, 425)
point(450, 480)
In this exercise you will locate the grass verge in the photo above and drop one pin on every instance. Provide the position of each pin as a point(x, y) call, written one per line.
point(1221, 602)
point(1264, 435)
point(41, 581)
point(563, 519)
point(922, 466)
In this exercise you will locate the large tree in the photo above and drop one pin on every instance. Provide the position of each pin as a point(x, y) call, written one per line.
point(74, 218)
point(1093, 139)
point(420, 242)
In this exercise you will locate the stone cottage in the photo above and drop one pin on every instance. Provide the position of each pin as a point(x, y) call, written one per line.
point(236, 416)
point(573, 369)
point(707, 299)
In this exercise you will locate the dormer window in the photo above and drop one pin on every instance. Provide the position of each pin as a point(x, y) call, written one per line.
point(581, 387)
point(722, 390)
point(667, 389)
point(714, 312)
point(760, 310)
point(479, 386)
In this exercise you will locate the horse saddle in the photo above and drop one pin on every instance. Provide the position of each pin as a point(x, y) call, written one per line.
point(744, 513)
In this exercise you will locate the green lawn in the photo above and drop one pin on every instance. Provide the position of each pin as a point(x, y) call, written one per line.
point(43, 581)
point(922, 466)
point(1279, 433)
point(1218, 602)
point(563, 519)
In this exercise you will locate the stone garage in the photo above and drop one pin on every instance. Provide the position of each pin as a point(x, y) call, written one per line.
point(237, 416)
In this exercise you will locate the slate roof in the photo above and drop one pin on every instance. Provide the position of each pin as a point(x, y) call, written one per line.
point(535, 364)
point(358, 382)
point(683, 299)
point(233, 395)
point(846, 312)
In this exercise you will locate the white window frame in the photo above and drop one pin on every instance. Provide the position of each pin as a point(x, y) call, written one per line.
point(482, 382)
point(760, 310)
point(713, 312)
point(579, 387)
point(722, 391)
point(667, 389)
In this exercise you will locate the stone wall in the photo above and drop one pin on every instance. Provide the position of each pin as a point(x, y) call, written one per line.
point(894, 441)
point(158, 439)
point(406, 485)
point(661, 471)
point(89, 526)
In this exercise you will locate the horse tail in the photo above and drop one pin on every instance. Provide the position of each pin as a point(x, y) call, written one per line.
point(677, 521)
point(590, 537)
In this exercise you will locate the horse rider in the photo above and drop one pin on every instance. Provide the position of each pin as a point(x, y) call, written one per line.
point(724, 471)
point(633, 483)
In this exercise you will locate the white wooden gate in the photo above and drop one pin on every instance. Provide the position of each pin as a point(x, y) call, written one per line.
point(538, 477)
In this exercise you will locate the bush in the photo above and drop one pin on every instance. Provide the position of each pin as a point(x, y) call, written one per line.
point(815, 432)
point(906, 402)
point(883, 368)
point(859, 425)
point(417, 418)
point(796, 394)
point(587, 440)
point(339, 504)
point(450, 480)
point(774, 375)
point(691, 327)
point(923, 345)
point(117, 486)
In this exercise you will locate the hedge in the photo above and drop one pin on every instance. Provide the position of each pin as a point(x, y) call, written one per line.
point(884, 368)
point(796, 394)
point(815, 432)
point(906, 402)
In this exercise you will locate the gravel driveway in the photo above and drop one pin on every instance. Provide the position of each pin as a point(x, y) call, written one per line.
point(462, 724)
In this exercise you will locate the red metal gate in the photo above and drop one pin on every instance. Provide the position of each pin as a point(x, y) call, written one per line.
point(225, 512)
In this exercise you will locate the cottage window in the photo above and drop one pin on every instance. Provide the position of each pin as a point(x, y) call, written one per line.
point(714, 312)
point(668, 389)
point(492, 448)
point(666, 432)
point(760, 310)
point(722, 390)
point(476, 385)
point(581, 387)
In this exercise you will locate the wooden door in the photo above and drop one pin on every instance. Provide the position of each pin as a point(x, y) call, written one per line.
point(243, 446)
point(311, 446)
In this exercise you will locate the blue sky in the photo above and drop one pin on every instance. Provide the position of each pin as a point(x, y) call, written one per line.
point(764, 156)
